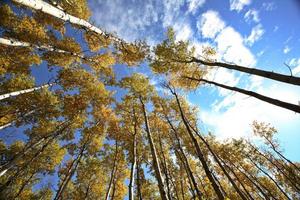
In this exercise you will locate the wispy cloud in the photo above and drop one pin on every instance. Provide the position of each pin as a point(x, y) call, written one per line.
point(194, 5)
point(183, 31)
point(210, 23)
point(252, 15)
point(269, 6)
point(229, 123)
point(256, 34)
point(286, 49)
point(295, 64)
point(238, 5)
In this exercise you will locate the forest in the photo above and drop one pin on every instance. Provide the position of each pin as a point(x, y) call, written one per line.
point(86, 133)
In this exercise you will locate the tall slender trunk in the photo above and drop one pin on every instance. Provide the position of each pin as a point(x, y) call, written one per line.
point(187, 170)
point(7, 166)
point(164, 167)
point(86, 194)
point(138, 180)
point(18, 118)
point(198, 150)
point(266, 74)
point(184, 159)
point(72, 169)
point(23, 186)
point(133, 166)
point(250, 179)
point(294, 184)
point(6, 125)
point(182, 189)
point(24, 167)
point(216, 158)
point(47, 8)
point(276, 102)
point(112, 197)
point(237, 178)
point(270, 177)
point(156, 166)
point(17, 43)
point(112, 175)
point(17, 93)
point(281, 155)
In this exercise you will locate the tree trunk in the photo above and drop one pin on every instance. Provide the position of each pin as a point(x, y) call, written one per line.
point(112, 175)
point(138, 180)
point(250, 179)
point(6, 125)
point(156, 166)
point(184, 159)
point(133, 166)
point(164, 166)
point(17, 93)
point(199, 151)
point(237, 178)
point(281, 155)
point(4, 168)
point(270, 177)
point(18, 118)
point(292, 182)
point(216, 158)
point(24, 167)
point(16, 43)
point(47, 8)
point(23, 186)
point(72, 169)
point(282, 104)
point(266, 74)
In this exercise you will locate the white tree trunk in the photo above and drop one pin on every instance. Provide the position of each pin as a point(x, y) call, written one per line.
point(16, 43)
point(3, 172)
point(17, 93)
point(5, 126)
point(58, 13)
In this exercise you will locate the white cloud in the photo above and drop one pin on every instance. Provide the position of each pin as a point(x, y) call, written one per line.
point(295, 64)
point(236, 112)
point(260, 53)
point(286, 49)
point(223, 76)
point(230, 45)
point(199, 46)
point(194, 5)
point(256, 33)
point(275, 28)
point(171, 11)
point(252, 15)
point(130, 19)
point(210, 24)
point(183, 31)
point(269, 6)
point(238, 5)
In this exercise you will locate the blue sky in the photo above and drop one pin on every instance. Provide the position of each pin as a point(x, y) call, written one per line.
point(253, 33)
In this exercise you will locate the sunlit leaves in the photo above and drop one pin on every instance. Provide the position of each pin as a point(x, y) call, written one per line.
point(96, 41)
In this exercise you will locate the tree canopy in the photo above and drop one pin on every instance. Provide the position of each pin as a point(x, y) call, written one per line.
point(84, 132)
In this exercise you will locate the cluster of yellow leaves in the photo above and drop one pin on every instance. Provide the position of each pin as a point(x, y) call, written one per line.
point(91, 174)
point(45, 19)
point(17, 82)
point(102, 63)
point(132, 54)
point(9, 63)
point(25, 29)
point(56, 58)
point(138, 85)
point(96, 41)
point(78, 8)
